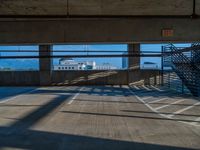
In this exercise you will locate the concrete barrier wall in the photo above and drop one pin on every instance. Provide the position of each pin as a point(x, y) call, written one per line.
point(90, 77)
point(112, 77)
point(19, 78)
point(147, 77)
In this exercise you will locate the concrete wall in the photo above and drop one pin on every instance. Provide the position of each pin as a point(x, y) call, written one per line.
point(146, 77)
point(19, 78)
point(89, 77)
point(114, 77)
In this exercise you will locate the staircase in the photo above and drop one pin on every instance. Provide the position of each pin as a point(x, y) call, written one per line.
point(185, 62)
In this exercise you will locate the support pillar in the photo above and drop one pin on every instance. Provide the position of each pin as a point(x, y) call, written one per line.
point(133, 64)
point(45, 64)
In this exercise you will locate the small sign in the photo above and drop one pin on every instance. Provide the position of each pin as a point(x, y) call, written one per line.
point(167, 32)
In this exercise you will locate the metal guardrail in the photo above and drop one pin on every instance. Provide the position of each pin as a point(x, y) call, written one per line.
point(185, 66)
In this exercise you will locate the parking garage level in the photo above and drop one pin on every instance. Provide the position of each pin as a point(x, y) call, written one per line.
point(97, 117)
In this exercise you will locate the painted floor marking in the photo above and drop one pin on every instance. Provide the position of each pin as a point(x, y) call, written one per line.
point(145, 98)
point(184, 109)
point(159, 100)
point(156, 88)
point(196, 121)
point(137, 88)
point(75, 96)
point(164, 116)
point(164, 106)
point(146, 88)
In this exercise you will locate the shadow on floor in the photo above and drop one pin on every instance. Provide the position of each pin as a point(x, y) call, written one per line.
point(116, 91)
point(165, 113)
point(38, 140)
point(125, 102)
point(128, 116)
point(9, 92)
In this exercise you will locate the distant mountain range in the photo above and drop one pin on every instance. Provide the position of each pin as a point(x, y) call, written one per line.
point(19, 64)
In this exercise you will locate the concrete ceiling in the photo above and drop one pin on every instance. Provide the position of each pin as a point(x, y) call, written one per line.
point(98, 7)
point(198, 7)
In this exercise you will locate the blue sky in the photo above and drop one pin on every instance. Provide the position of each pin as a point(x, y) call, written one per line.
point(148, 48)
point(114, 61)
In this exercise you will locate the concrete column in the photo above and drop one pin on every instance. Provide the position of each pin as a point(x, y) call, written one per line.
point(133, 62)
point(45, 64)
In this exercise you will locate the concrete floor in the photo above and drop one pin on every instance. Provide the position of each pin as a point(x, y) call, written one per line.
point(104, 118)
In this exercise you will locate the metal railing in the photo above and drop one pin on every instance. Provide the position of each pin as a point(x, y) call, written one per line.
point(186, 65)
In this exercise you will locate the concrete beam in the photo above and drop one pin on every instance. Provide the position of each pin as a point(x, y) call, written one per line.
point(198, 7)
point(110, 30)
point(130, 7)
point(33, 7)
point(97, 7)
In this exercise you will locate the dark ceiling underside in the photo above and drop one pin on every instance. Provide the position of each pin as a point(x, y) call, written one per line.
point(98, 8)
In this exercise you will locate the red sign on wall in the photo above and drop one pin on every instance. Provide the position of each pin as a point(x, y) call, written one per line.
point(167, 32)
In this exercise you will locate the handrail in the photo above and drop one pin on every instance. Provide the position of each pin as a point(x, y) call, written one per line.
point(185, 67)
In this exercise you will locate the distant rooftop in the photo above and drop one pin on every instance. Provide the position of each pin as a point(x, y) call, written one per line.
point(149, 63)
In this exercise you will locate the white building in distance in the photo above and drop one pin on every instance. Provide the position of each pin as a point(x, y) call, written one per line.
point(70, 64)
point(150, 65)
point(105, 66)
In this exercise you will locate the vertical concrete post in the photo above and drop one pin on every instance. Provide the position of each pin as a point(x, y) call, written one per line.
point(133, 63)
point(45, 64)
